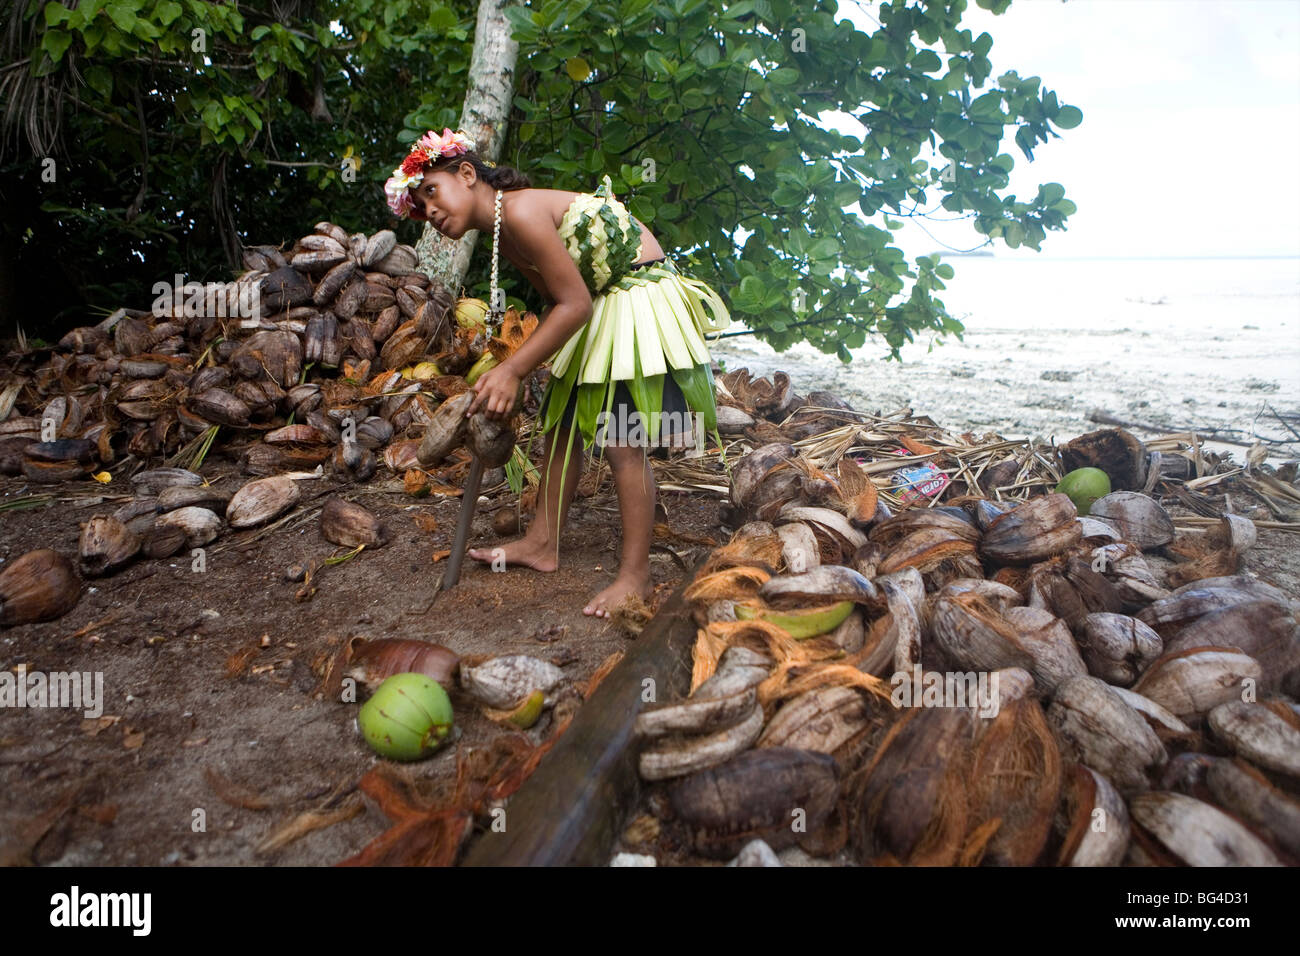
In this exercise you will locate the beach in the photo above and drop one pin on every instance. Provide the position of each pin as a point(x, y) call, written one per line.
point(1205, 344)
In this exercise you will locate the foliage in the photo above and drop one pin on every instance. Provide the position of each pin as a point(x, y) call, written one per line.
point(191, 127)
point(690, 90)
point(171, 152)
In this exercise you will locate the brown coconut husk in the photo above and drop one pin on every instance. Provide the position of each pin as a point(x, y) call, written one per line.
point(708, 647)
point(1115, 451)
point(758, 636)
point(1015, 783)
point(1199, 559)
point(737, 583)
point(793, 678)
point(754, 550)
point(910, 801)
point(1074, 816)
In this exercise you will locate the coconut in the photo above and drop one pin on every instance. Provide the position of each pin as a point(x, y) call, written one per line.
point(408, 717)
point(38, 586)
point(1083, 486)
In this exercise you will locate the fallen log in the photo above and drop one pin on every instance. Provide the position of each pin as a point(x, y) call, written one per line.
point(574, 806)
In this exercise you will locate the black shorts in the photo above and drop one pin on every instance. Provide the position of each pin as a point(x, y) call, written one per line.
point(674, 428)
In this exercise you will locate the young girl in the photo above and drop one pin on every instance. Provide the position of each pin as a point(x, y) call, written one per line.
point(622, 329)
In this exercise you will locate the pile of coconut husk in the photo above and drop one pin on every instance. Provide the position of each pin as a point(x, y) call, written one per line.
point(334, 352)
point(823, 429)
point(839, 640)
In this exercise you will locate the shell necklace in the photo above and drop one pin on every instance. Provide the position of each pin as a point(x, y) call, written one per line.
point(495, 313)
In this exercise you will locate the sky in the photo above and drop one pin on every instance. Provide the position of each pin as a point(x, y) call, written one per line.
point(1190, 140)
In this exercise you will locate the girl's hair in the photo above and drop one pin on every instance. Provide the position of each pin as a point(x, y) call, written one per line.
point(504, 178)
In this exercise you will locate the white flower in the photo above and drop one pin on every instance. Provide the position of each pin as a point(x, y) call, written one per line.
point(396, 191)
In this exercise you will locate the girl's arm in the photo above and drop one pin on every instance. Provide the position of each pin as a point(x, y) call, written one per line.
point(537, 239)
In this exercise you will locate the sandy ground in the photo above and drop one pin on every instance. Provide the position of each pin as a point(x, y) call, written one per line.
point(191, 764)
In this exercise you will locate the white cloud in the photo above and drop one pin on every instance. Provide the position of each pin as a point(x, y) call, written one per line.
point(1191, 131)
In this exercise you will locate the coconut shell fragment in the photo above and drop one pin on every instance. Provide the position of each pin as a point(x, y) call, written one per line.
point(1105, 733)
point(106, 545)
point(40, 585)
point(1192, 682)
point(1264, 733)
point(447, 430)
point(680, 754)
point(1249, 795)
point(1093, 820)
point(262, 500)
point(1138, 519)
point(1113, 450)
point(1195, 833)
point(1036, 530)
point(350, 525)
point(759, 794)
point(822, 584)
point(373, 662)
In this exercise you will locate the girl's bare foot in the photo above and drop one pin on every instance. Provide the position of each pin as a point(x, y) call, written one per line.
point(604, 603)
point(525, 551)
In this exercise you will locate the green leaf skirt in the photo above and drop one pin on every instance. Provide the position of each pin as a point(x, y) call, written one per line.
point(647, 326)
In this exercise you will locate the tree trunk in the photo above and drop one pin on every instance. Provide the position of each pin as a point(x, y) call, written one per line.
point(487, 106)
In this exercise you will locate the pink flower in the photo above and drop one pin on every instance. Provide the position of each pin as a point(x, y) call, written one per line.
point(448, 144)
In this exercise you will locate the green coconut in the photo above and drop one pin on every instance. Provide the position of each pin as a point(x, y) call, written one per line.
point(407, 718)
point(1083, 486)
point(486, 361)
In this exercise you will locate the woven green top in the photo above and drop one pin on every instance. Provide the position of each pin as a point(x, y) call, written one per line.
point(601, 236)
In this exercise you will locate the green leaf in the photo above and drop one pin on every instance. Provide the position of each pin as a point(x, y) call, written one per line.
point(259, 32)
point(943, 271)
point(826, 248)
point(123, 15)
point(1068, 117)
point(787, 195)
point(100, 79)
point(643, 208)
point(658, 63)
point(696, 384)
point(167, 11)
point(1052, 193)
point(752, 288)
point(926, 61)
point(988, 104)
point(56, 43)
point(56, 13)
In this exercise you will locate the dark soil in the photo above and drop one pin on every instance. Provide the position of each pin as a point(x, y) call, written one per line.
point(190, 765)
point(140, 784)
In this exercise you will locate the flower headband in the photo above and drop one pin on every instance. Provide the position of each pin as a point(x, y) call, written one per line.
point(428, 149)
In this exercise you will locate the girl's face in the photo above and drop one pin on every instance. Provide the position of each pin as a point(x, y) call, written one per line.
point(444, 199)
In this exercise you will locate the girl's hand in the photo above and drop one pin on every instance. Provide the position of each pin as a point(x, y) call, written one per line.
point(496, 391)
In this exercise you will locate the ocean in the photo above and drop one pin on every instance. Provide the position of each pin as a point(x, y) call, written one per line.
point(1211, 344)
